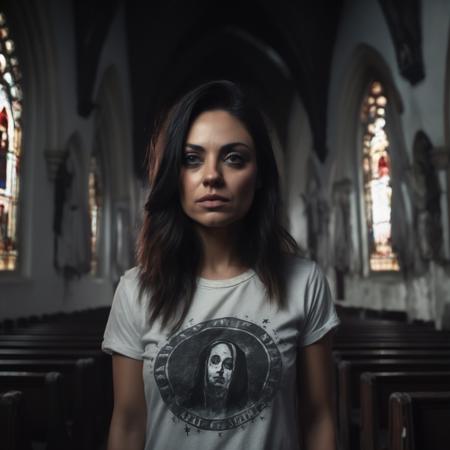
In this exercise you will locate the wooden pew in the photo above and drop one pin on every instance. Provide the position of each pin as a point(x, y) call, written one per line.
point(376, 388)
point(419, 421)
point(28, 337)
point(375, 335)
point(43, 406)
point(67, 336)
point(89, 322)
point(372, 353)
point(103, 396)
point(391, 344)
point(80, 409)
point(387, 353)
point(353, 354)
point(13, 436)
point(47, 344)
point(349, 373)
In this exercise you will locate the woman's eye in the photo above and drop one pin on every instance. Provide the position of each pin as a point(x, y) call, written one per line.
point(191, 159)
point(235, 158)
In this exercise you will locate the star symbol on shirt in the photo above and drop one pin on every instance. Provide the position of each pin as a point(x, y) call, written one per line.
point(266, 321)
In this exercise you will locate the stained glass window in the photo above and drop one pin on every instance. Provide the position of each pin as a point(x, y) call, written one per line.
point(95, 210)
point(377, 180)
point(10, 148)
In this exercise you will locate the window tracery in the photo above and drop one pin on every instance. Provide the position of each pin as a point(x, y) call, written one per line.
point(10, 148)
point(376, 166)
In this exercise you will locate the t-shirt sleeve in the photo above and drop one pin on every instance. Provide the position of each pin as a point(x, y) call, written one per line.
point(124, 330)
point(319, 311)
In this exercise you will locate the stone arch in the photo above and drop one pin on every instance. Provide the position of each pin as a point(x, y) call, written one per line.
point(445, 151)
point(30, 28)
point(112, 144)
point(365, 65)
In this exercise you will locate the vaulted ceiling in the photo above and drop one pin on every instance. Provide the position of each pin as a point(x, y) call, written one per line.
point(283, 48)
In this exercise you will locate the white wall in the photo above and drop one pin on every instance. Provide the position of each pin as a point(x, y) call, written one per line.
point(47, 41)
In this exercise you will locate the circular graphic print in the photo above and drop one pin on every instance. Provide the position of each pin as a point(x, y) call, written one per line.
point(218, 374)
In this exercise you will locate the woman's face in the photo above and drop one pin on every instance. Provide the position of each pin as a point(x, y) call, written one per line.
point(218, 177)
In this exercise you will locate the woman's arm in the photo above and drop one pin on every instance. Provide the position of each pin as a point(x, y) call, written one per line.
point(316, 395)
point(127, 430)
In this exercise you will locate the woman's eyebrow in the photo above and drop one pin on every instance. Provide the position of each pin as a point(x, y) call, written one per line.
point(229, 146)
point(195, 147)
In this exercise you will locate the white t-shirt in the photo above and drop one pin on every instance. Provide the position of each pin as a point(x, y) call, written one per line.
point(227, 379)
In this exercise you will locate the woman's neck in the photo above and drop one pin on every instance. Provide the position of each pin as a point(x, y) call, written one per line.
point(221, 258)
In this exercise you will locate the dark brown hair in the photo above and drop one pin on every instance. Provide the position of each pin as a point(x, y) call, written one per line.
point(169, 250)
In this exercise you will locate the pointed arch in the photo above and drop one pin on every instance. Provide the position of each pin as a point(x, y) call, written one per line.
point(377, 178)
point(10, 148)
point(28, 23)
point(446, 151)
point(365, 67)
point(113, 152)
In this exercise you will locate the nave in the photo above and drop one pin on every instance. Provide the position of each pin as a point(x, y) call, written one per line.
point(391, 380)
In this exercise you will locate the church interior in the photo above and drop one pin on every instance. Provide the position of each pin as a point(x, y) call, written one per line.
point(357, 97)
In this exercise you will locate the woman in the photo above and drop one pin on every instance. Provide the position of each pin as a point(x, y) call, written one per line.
point(215, 265)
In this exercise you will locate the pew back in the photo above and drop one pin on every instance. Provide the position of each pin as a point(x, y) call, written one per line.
point(419, 420)
point(376, 389)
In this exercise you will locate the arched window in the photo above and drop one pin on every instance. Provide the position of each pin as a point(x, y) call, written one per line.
point(10, 148)
point(95, 211)
point(377, 180)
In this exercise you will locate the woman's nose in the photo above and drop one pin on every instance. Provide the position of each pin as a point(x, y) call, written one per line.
point(212, 175)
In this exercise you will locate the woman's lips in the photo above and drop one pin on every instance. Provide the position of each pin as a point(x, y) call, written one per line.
point(212, 201)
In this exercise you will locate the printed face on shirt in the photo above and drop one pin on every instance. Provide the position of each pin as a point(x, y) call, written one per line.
point(220, 366)
point(219, 172)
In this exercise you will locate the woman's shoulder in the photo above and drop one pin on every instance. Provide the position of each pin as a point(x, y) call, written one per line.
point(129, 281)
point(131, 275)
point(301, 272)
point(299, 266)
